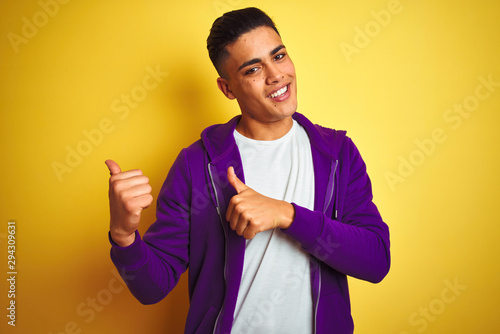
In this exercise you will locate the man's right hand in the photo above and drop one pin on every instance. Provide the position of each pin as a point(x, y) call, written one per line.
point(129, 194)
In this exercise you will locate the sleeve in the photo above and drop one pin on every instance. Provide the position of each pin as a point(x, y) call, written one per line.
point(357, 245)
point(152, 265)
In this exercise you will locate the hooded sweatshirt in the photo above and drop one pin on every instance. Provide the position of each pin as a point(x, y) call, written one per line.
point(344, 234)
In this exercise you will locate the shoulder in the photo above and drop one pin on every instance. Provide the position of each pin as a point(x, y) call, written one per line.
point(323, 138)
point(341, 145)
point(332, 135)
point(195, 148)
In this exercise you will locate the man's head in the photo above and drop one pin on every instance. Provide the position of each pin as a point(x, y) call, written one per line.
point(228, 28)
point(255, 67)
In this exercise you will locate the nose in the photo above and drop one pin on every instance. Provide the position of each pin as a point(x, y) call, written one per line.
point(273, 74)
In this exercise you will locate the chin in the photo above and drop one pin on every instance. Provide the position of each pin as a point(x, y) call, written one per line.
point(282, 114)
point(290, 110)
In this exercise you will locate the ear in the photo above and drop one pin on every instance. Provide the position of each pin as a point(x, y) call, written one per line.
point(223, 85)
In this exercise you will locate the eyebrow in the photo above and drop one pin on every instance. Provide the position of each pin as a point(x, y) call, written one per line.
point(258, 60)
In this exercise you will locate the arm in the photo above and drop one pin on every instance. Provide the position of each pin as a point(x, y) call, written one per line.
point(152, 266)
point(358, 244)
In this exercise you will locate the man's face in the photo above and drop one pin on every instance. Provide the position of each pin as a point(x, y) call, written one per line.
point(261, 76)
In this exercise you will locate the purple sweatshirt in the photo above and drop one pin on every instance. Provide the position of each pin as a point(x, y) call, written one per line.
point(345, 234)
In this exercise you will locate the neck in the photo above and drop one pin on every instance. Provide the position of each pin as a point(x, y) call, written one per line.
point(257, 130)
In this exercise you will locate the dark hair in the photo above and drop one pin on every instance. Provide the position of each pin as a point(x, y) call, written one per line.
point(229, 27)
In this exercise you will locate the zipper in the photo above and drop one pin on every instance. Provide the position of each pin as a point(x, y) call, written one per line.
point(217, 207)
point(336, 207)
point(317, 300)
point(331, 185)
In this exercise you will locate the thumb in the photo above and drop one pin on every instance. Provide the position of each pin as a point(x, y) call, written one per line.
point(235, 181)
point(113, 167)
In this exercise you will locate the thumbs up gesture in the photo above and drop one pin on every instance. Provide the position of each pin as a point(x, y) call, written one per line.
point(250, 212)
point(129, 194)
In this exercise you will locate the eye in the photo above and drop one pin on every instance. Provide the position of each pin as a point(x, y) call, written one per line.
point(251, 71)
point(280, 56)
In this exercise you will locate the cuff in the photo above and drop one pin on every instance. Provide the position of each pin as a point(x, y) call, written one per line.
point(306, 227)
point(133, 255)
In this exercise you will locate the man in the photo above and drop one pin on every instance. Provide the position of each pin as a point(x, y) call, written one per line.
point(269, 211)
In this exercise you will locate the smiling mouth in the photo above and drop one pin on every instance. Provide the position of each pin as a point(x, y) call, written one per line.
point(279, 92)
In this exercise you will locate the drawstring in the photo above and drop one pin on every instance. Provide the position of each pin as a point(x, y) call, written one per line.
point(336, 187)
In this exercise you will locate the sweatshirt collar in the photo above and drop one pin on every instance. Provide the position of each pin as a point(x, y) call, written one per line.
point(218, 139)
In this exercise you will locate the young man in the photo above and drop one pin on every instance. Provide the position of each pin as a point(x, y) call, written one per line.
point(270, 212)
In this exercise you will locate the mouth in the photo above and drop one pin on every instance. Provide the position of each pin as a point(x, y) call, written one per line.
point(279, 93)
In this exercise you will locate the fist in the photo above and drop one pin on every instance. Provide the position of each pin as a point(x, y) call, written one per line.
point(250, 212)
point(129, 194)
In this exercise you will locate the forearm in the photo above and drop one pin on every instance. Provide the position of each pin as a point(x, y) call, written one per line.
point(359, 249)
point(146, 275)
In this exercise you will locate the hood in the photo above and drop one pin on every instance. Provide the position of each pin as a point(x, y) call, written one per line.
point(218, 139)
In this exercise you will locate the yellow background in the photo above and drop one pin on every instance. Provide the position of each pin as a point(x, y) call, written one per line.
point(394, 91)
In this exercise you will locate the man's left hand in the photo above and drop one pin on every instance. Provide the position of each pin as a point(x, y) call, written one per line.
point(250, 212)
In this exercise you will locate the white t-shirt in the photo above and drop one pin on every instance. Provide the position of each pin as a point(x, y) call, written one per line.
point(275, 290)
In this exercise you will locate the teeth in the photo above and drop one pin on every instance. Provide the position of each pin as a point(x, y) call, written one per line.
point(279, 92)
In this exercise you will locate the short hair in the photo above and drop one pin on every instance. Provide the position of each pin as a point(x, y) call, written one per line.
point(229, 27)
